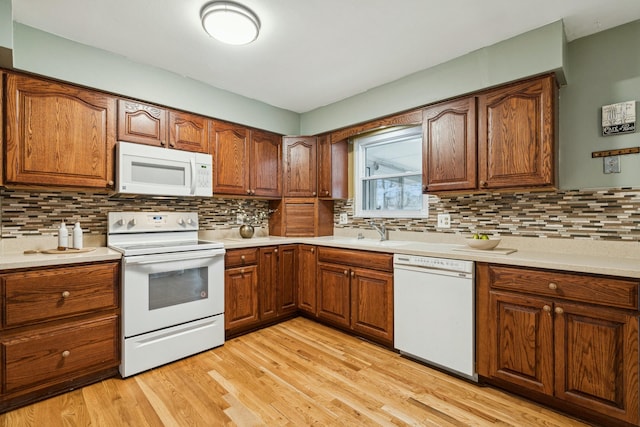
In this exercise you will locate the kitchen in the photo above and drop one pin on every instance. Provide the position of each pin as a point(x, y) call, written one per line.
point(579, 210)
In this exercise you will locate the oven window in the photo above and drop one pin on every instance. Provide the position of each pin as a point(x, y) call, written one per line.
point(177, 287)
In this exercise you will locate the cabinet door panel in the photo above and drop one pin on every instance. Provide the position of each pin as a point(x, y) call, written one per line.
point(287, 295)
point(241, 297)
point(58, 134)
point(267, 282)
point(333, 173)
point(231, 159)
point(449, 146)
point(333, 293)
point(141, 123)
point(516, 132)
point(265, 164)
point(300, 173)
point(521, 336)
point(307, 279)
point(188, 132)
point(372, 303)
point(597, 359)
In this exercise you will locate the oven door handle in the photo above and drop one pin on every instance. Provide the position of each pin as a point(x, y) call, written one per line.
point(182, 256)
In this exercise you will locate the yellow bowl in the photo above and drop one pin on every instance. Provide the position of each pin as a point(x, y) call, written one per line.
point(483, 244)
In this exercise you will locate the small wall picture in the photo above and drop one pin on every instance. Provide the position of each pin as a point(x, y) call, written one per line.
point(619, 118)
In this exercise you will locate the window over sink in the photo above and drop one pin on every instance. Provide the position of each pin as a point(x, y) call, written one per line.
point(388, 174)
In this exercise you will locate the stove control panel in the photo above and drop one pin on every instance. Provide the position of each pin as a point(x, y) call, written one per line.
point(144, 222)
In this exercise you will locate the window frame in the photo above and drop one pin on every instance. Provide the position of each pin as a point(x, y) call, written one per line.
point(379, 137)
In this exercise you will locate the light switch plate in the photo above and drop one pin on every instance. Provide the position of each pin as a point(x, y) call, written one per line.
point(344, 219)
point(612, 164)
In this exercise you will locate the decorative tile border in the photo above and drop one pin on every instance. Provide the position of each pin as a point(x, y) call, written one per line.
point(611, 214)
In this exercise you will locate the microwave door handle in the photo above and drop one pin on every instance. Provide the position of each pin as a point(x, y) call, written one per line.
point(193, 175)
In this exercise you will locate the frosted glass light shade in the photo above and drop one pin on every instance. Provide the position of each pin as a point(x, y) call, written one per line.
point(230, 22)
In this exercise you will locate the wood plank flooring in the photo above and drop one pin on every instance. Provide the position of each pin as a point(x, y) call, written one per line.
point(297, 373)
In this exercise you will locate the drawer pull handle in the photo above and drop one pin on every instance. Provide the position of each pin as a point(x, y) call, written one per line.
point(547, 308)
point(559, 310)
point(66, 354)
point(66, 294)
point(553, 286)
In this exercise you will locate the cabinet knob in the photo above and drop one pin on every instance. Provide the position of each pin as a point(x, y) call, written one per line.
point(242, 258)
point(248, 191)
point(66, 354)
point(353, 274)
point(559, 310)
point(484, 184)
point(110, 183)
point(66, 294)
point(313, 250)
point(242, 271)
point(346, 272)
point(163, 143)
point(172, 144)
point(547, 308)
point(425, 188)
point(313, 194)
point(275, 250)
point(553, 286)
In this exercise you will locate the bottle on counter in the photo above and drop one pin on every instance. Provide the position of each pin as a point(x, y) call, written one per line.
point(63, 237)
point(77, 236)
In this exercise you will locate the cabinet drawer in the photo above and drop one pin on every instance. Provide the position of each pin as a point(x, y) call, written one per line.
point(606, 291)
point(374, 260)
point(240, 257)
point(35, 296)
point(47, 354)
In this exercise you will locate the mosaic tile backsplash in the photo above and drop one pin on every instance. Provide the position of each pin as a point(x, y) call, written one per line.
point(612, 214)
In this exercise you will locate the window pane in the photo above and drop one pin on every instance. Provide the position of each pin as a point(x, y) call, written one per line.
point(394, 158)
point(402, 193)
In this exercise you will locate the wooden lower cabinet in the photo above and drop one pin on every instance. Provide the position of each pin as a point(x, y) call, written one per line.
point(260, 287)
point(562, 344)
point(355, 292)
point(307, 268)
point(60, 330)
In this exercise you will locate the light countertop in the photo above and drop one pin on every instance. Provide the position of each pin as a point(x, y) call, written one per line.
point(584, 256)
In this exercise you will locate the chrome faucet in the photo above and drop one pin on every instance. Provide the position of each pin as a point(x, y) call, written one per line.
point(382, 229)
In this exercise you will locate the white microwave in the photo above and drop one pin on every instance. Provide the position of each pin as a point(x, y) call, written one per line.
point(157, 171)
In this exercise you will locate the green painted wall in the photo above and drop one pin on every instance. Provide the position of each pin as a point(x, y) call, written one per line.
point(604, 69)
point(44, 53)
point(538, 51)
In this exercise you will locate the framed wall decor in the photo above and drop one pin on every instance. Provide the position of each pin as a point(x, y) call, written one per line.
point(619, 118)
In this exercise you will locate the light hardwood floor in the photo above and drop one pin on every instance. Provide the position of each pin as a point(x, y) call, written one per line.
point(296, 373)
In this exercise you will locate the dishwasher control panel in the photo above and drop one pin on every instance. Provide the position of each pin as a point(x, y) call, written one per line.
point(432, 262)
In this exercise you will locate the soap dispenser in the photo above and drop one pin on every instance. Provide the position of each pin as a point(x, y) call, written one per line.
point(77, 236)
point(63, 237)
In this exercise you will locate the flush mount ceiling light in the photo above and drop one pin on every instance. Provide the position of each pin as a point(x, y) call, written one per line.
point(230, 22)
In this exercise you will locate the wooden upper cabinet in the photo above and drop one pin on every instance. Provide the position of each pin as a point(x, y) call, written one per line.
point(58, 134)
point(449, 146)
point(142, 123)
point(229, 145)
point(265, 164)
point(516, 135)
point(188, 132)
point(149, 124)
point(333, 171)
point(2, 77)
point(300, 167)
point(247, 162)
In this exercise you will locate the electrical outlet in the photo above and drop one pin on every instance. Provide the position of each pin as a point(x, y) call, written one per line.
point(444, 221)
point(344, 219)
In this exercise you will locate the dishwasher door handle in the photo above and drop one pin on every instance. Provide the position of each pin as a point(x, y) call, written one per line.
point(424, 270)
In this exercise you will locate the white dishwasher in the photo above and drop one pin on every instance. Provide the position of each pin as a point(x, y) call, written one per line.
point(434, 312)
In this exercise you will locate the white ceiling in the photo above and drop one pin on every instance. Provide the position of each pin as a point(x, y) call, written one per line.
point(312, 53)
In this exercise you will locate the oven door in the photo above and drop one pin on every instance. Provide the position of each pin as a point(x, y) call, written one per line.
point(163, 290)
